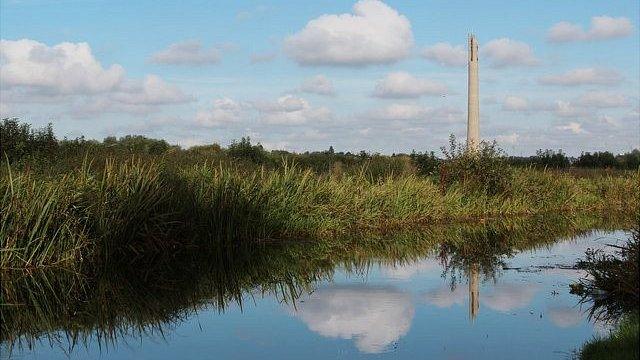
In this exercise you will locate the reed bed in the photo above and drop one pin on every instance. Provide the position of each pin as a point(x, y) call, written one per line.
point(135, 207)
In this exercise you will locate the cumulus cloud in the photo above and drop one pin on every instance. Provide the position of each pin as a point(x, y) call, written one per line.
point(223, 111)
point(374, 34)
point(69, 74)
point(508, 138)
point(583, 76)
point(602, 28)
point(573, 127)
point(65, 68)
point(506, 52)
point(398, 85)
point(290, 110)
point(374, 317)
point(446, 54)
point(515, 103)
point(415, 112)
point(186, 53)
point(318, 84)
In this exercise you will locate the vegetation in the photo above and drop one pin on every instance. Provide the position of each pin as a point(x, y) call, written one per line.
point(147, 296)
point(126, 197)
point(622, 343)
point(612, 290)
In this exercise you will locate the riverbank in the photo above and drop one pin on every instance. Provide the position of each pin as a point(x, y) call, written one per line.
point(134, 206)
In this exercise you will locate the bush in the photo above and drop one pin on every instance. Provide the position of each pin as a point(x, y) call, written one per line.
point(244, 150)
point(426, 164)
point(18, 141)
point(484, 170)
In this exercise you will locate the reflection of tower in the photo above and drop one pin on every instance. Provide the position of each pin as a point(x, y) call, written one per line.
point(474, 292)
point(473, 109)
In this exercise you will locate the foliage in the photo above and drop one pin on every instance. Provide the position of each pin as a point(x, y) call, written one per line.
point(543, 159)
point(427, 164)
point(613, 283)
point(622, 343)
point(19, 141)
point(244, 150)
point(484, 170)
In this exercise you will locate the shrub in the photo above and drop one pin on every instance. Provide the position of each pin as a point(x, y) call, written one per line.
point(484, 170)
point(244, 150)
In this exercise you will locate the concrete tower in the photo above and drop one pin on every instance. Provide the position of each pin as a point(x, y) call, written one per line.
point(473, 111)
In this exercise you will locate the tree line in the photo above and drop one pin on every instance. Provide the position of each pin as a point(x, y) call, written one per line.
point(22, 142)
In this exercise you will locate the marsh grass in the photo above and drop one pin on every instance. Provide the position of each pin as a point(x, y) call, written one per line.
point(137, 206)
point(622, 343)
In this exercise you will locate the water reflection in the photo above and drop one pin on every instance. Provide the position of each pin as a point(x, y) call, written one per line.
point(374, 317)
point(444, 267)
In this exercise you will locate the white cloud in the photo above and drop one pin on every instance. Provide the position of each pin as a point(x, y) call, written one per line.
point(506, 52)
point(583, 76)
point(515, 103)
point(374, 34)
point(446, 54)
point(291, 110)
point(186, 53)
point(68, 74)
point(573, 127)
point(415, 112)
point(318, 84)
point(401, 84)
point(601, 99)
point(373, 317)
point(566, 109)
point(223, 111)
point(602, 28)
point(508, 139)
point(66, 68)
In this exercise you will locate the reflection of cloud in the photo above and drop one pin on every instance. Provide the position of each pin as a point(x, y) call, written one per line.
point(444, 297)
point(374, 316)
point(408, 270)
point(505, 297)
point(565, 316)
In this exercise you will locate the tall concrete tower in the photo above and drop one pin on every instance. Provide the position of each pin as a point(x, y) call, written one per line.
point(473, 111)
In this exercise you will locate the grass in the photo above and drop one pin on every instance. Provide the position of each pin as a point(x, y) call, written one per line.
point(95, 212)
point(612, 292)
point(622, 343)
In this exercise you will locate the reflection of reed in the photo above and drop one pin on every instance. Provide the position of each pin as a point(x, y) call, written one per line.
point(149, 296)
point(474, 292)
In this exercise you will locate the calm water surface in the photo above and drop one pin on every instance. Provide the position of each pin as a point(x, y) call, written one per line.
point(422, 308)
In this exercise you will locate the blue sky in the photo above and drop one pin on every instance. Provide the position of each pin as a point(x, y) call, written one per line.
point(380, 76)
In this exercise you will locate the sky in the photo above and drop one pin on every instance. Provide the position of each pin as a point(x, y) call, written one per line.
point(384, 77)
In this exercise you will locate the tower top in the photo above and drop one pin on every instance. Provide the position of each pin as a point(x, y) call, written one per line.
point(473, 48)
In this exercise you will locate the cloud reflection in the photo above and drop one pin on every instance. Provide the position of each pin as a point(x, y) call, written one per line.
point(510, 296)
point(565, 316)
point(374, 317)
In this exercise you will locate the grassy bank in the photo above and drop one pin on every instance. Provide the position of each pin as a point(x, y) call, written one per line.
point(96, 211)
point(613, 294)
point(622, 343)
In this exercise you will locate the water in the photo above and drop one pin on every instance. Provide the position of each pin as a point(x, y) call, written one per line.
point(438, 304)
